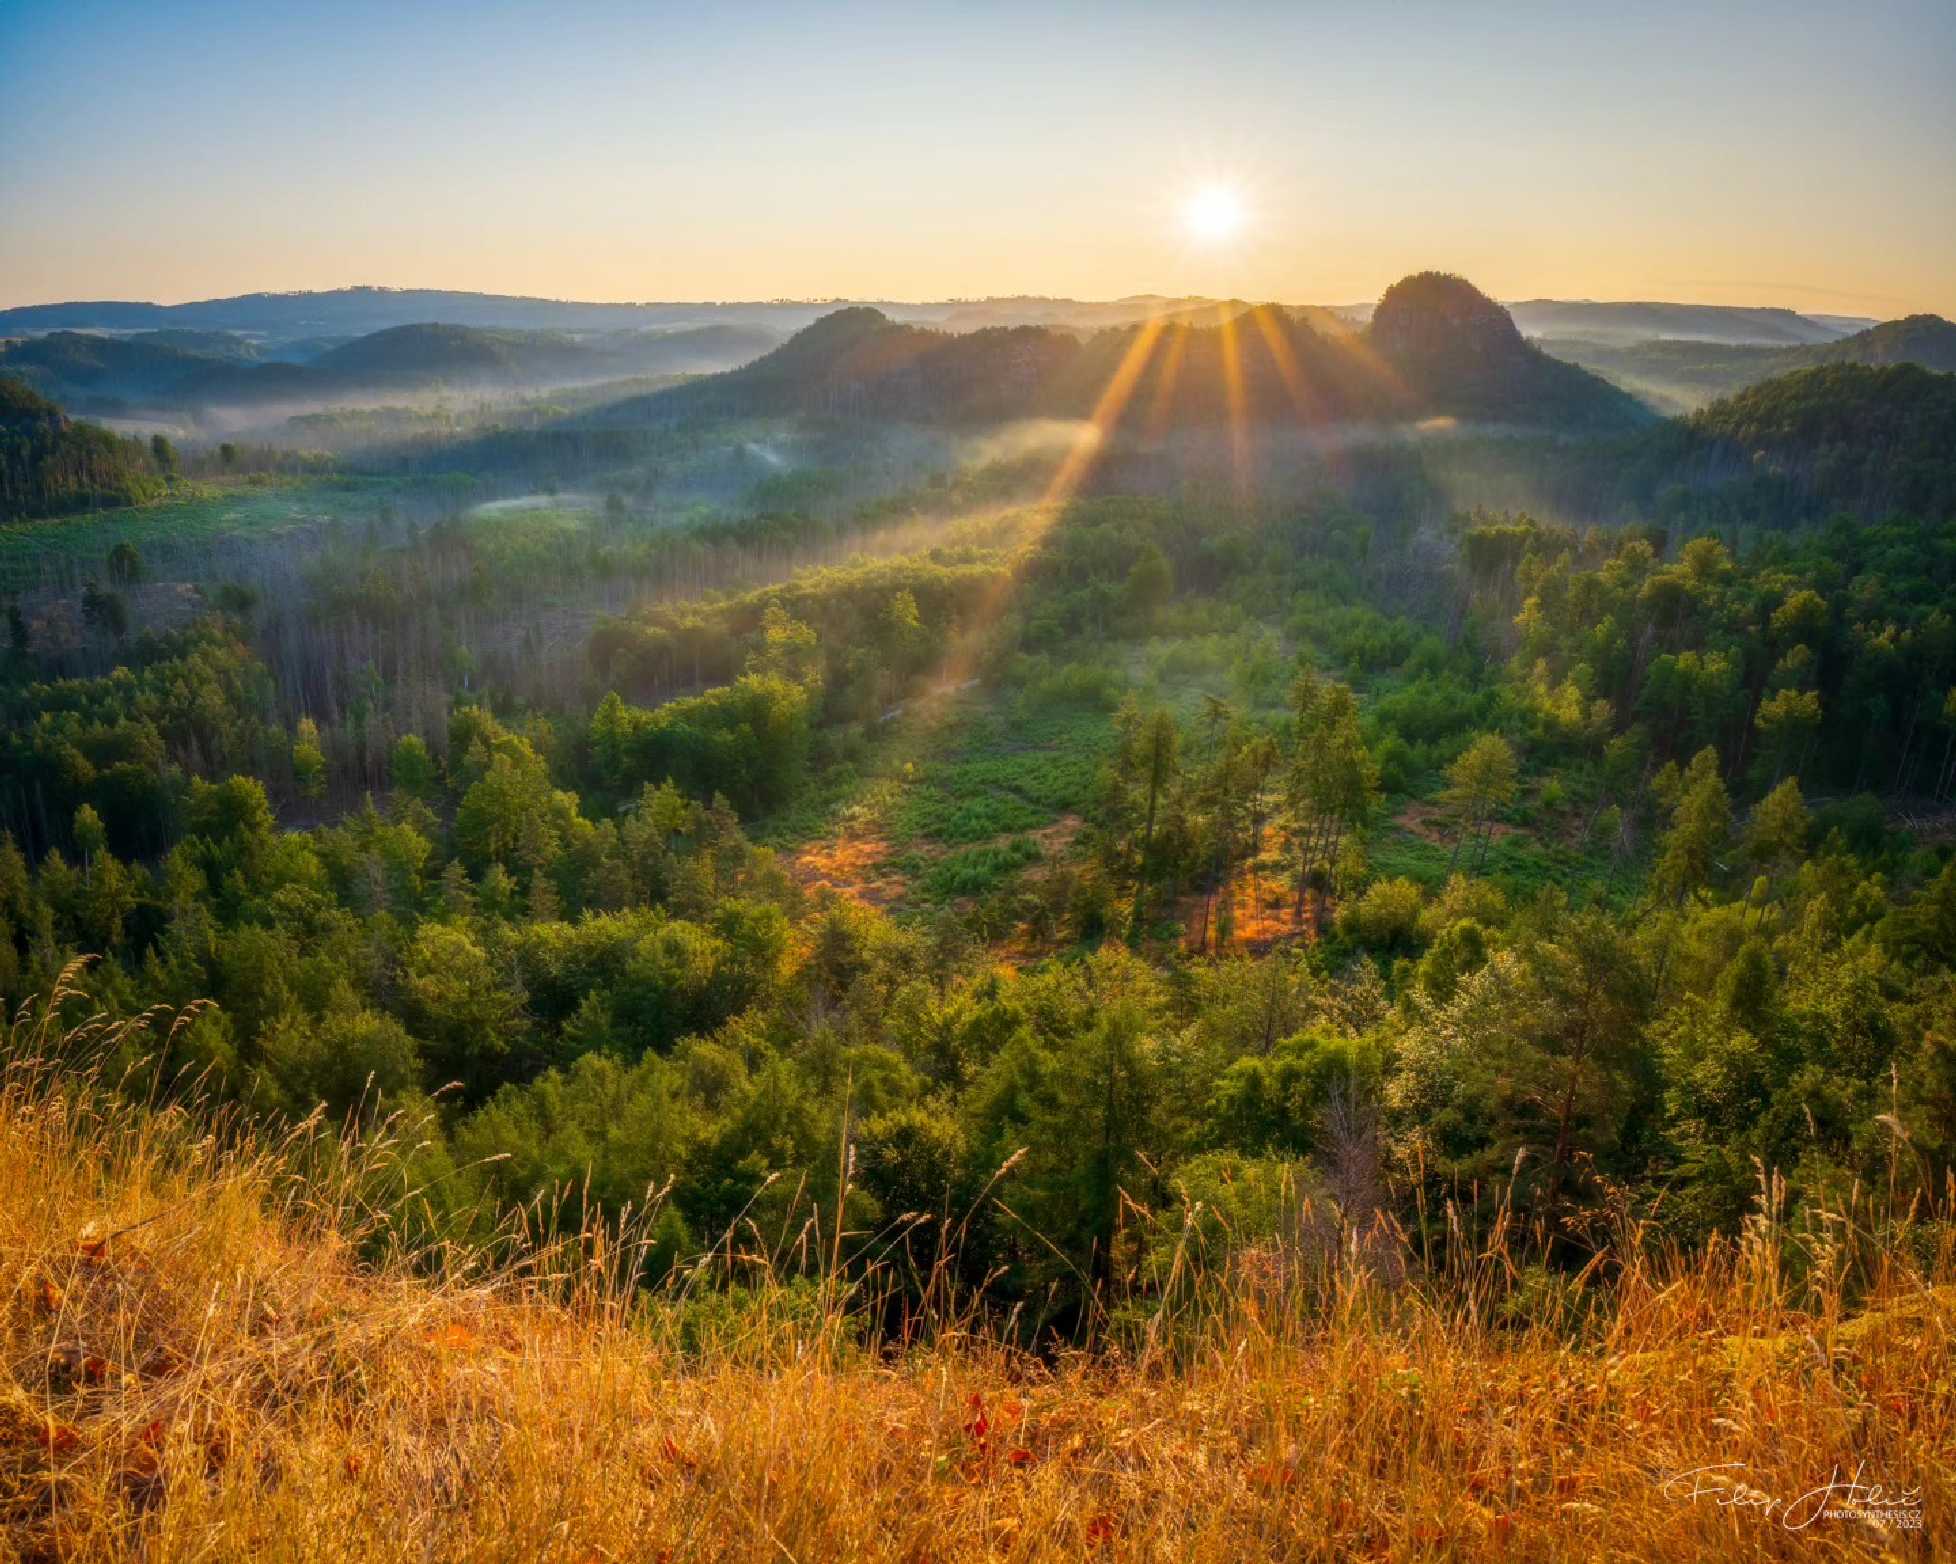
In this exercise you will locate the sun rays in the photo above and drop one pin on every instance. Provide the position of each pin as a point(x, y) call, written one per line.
point(1258, 368)
point(1112, 403)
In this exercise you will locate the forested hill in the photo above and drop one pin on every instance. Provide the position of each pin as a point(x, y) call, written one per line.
point(152, 371)
point(71, 365)
point(414, 357)
point(50, 464)
point(1678, 374)
point(1845, 437)
point(1459, 353)
point(1928, 340)
point(349, 312)
point(1436, 346)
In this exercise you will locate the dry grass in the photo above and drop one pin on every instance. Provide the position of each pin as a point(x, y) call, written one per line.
point(1262, 906)
point(854, 866)
point(210, 1355)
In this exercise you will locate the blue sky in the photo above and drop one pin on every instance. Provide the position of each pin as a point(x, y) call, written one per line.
point(1790, 153)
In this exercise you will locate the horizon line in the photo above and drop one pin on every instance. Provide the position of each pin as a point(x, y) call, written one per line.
point(842, 300)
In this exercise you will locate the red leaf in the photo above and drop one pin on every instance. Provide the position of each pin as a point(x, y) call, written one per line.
point(59, 1438)
point(1020, 1457)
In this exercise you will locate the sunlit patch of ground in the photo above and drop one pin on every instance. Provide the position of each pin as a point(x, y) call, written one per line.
point(1261, 910)
point(954, 800)
point(1264, 912)
point(855, 866)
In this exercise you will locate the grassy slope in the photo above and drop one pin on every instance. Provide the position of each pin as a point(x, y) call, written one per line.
point(197, 1364)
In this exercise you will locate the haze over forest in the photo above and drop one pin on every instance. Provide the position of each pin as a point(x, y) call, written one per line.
point(1085, 782)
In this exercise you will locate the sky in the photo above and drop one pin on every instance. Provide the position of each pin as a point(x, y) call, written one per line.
point(1787, 153)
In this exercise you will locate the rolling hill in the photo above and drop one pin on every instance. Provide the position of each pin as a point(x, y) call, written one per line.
point(184, 370)
point(1625, 323)
point(50, 464)
point(274, 320)
point(74, 366)
point(1437, 347)
point(1460, 354)
point(1836, 440)
point(473, 354)
point(1848, 436)
point(351, 312)
point(1928, 340)
point(1675, 375)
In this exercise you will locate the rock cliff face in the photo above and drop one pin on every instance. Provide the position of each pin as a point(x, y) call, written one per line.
point(1460, 353)
point(1436, 318)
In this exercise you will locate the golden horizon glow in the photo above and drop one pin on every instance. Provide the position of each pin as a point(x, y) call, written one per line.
point(874, 152)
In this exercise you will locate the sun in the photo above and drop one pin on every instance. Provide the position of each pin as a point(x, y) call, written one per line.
point(1213, 214)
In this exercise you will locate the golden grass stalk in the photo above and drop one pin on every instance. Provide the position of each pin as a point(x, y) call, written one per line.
point(217, 1346)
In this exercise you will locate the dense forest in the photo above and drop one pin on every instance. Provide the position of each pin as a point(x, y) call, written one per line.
point(845, 814)
point(50, 465)
point(1514, 865)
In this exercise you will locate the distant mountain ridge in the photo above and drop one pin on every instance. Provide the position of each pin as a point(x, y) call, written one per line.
point(1437, 347)
point(1677, 376)
point(1616, 323)
point(363, 310)
point(1645, 321)
point(350, 312)
point(149, 372)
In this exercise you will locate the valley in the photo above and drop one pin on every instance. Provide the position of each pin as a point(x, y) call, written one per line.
point(917, 784)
